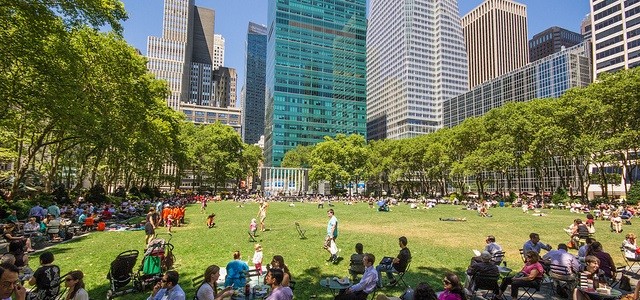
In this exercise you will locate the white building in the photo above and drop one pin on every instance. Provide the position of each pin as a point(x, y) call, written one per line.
point(218, 51)
point(416, 59)
point(615, 33)
point(495, 33)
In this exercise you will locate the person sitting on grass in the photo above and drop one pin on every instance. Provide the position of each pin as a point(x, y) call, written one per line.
point(530, 276)
point(236, 271)
point(397, 265)
point(209, 288)
point(616, 222)
point(46, 278)
point(367, 284)
point(168, 288)
point(211, 220)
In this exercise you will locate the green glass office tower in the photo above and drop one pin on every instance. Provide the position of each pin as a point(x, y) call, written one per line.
point(316, 73)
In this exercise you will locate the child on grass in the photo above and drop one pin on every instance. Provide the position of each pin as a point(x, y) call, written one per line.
point(253, 227)
point(257, 258)
point(211, 220)
point(169, 223)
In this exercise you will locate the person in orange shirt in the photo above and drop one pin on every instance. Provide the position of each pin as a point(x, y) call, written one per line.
point(183, 210)
point(175, 212)
point(166, 211)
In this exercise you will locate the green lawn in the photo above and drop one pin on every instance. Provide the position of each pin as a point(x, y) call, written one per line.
point(436, 246)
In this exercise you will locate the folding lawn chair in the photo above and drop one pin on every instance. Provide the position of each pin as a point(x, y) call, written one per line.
point(300, 231)
point(488, 283)
point(630, 262)
point(400, 278)
point(564, 281)
point(497, 257)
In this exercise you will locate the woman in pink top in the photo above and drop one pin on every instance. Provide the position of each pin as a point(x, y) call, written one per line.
point(452, 288)
point(529, 276)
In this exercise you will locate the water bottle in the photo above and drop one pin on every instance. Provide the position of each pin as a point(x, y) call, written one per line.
point(247, 290)
point(596, 282)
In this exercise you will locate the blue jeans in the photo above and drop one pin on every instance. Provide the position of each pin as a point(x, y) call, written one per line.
point(385, 268)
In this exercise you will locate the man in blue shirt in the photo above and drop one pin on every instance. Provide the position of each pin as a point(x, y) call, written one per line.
point(367, 284)
point(534, 244)
point(168, 288)
point(332, 235)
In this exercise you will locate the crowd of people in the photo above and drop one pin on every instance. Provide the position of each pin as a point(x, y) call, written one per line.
point(591, 259)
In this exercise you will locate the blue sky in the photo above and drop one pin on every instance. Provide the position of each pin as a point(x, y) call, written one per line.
point(233, 17)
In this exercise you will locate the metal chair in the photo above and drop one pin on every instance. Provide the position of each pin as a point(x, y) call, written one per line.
point(400, 278)
point(484, 282)
point(300, 231)
point(497, 257)
point(563, 279)
point(630, 262)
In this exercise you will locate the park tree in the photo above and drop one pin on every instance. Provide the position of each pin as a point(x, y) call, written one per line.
point(298, 157)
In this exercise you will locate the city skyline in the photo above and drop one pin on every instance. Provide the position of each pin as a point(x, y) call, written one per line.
point(232, 18)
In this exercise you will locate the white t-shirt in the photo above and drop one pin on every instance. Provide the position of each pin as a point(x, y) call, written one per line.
point(257, 257)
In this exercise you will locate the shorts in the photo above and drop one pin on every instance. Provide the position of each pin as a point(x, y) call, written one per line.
point(148, 229)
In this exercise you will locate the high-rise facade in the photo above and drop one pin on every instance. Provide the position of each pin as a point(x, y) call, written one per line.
point(552, 40)
point(253, 99)
point(315, 78)
point(225, 91)
point(416, 60)
point(495, 34)
point(615, 34)
point(218, 51)
point(548, 77)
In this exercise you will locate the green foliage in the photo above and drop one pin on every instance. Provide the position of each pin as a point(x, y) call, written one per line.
point(633, 195)
point(560, 196)
point(97, 194)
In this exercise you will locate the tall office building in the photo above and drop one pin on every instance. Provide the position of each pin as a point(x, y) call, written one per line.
point(416, 59)
point(615, 34)
point(225, 91)
point(316, 83)
point(495, 33)
point(218, 51)
point(585, 27)
point(552, 40)
point(256, 67)
point(548, 77)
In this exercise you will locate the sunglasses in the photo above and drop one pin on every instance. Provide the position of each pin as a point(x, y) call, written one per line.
point(164, 280)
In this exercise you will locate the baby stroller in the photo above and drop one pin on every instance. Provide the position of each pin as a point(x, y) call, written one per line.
point(121, 274)
point(158, 258)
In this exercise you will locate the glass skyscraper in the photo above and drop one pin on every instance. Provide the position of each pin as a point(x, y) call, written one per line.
point(315, 80)
point(416, 60)
point(253, 102)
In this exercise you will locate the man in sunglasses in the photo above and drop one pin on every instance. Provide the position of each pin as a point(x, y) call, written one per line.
point(168, 288)
point(9, 283)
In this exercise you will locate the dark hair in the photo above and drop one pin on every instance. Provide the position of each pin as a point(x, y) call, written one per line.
point(277, 274)
point(563, 247)
point(491, 238)
point(236, 254)
point(594, 247)
point(46, 257)
point(456, 287)
point(534, 235)
point(403, 240)
point(76, 275)
point(281, 263)
point(331, 211)
point(173, 277)
point(8, 267)
point(424, 292)
point(359, 248)
point(370, 257)
point(589, 240)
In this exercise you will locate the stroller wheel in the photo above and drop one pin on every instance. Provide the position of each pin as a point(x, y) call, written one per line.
point(109, 294)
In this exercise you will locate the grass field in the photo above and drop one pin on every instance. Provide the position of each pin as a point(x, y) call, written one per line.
point(436, 246)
